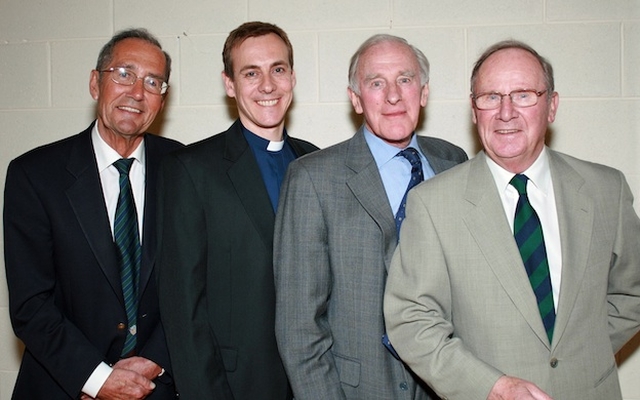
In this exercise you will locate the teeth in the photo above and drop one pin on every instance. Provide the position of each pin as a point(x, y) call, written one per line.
point(130, 109)
point(268, 103)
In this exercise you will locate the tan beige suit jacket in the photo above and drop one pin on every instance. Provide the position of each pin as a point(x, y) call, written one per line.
point(458, 304)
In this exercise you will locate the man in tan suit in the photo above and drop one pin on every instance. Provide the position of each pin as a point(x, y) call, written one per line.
point(463, 309)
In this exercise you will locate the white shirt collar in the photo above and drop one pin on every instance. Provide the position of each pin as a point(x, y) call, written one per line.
point(106, 155)
point(538, 173)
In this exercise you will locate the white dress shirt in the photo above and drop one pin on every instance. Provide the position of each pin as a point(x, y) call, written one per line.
point(542, 199)
point(110, 179)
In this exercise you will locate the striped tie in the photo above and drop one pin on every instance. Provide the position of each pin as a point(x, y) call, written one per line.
point(417, 176)
point(528, 234)
point(129, 250)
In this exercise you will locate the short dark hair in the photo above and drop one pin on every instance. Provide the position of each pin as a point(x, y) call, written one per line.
point(106, 53)
point(247, 30)
point(547, 69)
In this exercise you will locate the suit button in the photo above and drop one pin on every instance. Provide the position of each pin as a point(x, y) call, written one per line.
point(122, 326)
point(554, 362)
point(404, 386)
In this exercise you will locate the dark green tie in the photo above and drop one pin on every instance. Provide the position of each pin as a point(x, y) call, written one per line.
point(129, 250)
point(528, 234)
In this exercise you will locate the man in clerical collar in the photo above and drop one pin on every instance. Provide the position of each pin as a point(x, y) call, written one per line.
point(217, 210)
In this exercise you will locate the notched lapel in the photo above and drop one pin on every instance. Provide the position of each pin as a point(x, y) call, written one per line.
point(366, 186)
point(575, 218)
point(488, 225)
point(87, 202)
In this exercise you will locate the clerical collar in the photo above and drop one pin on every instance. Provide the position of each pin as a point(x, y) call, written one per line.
point(263, 144)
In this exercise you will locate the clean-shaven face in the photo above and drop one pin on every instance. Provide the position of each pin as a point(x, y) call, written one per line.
point(262, 84)
point(128, 110)
point(391, 95)
point(513, 137)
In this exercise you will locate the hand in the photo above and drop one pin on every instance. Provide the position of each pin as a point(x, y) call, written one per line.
point(130, 379)
point(124, 384)
point(511, 388)
point(143, 366)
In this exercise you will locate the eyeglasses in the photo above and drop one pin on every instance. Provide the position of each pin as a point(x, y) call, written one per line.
point(519, 98)
point(124, 76)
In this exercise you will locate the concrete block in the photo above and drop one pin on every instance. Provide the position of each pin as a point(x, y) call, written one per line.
point(187, 17)
point(591, 10)
point(24, 76)
point(586, 64)
point(327, 14)
point(62, 19)
point(466, 12)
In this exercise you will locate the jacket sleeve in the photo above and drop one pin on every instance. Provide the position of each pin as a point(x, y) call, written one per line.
point(31, 268)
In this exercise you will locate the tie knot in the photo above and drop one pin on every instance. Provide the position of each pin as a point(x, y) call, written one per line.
point(519, 182)
point(123, 165)
point(412, 155)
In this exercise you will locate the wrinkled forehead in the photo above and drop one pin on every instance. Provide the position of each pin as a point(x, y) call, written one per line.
point(516, 68)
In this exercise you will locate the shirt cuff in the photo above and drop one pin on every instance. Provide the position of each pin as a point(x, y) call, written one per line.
point(99, 376)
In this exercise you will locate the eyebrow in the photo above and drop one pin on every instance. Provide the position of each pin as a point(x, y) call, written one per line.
point(402, 73)
point(274, 64)
point(133, 67)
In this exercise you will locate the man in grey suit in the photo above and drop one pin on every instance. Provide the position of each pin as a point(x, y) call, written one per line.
point(335, 233)
point(466, 307)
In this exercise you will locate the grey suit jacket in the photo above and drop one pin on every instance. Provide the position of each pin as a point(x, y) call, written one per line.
point(335, 235)
point(459, 307)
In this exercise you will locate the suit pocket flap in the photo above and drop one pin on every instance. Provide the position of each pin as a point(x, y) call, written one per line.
point(229, 358)
point(349, 370)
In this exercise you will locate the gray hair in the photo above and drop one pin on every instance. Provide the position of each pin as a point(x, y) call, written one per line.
point(384, 38)
point(547, 69)
point(106, 53)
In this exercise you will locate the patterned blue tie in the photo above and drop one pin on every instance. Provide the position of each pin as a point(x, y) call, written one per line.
point(417, 176)
point(129, 250)
point(528, 234)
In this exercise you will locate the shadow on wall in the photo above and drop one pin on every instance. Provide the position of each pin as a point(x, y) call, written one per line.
point(628, 349)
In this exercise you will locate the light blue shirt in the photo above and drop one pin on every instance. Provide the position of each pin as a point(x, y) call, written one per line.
point(395, 170)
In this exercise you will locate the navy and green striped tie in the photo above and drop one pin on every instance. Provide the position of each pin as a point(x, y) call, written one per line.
point(129, 251)
point(528, 234)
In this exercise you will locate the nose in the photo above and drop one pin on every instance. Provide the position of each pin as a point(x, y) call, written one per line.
point(267, 85)
point(507, 110)
point(393, 94)
point(137, 89)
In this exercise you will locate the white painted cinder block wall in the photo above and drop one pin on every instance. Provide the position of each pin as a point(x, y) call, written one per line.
point(48, 48)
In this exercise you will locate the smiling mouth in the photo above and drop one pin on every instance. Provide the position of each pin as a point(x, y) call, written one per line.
point(507, 131)
point(267, 103)
point(130, 109)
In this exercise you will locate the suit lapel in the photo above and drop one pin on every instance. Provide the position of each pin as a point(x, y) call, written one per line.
point(366, 186)
point(87, 202)
point(246, 178)
point(488, 225)
point(575, 218)
point(152, 156)
point(437, 163)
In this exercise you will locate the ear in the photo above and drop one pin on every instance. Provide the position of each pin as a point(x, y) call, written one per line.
point(229, 86)
point(94, 84)
point(293, 79)
point(473, 111)
point(553, 107)
point(424, 96)
point(355, 101)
